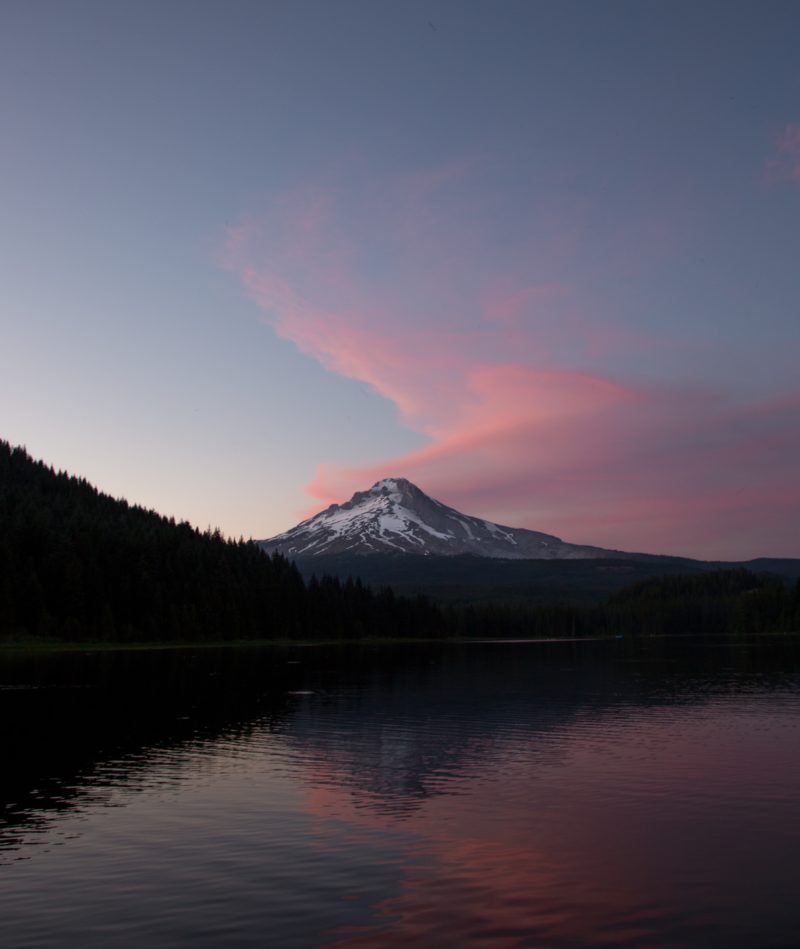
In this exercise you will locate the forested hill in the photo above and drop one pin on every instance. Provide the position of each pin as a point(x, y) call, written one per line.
point(78, 565)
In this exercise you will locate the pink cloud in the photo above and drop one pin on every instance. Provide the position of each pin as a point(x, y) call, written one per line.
point(510, 308)
point(785, 166)
point(646, 471)
point(471, 360)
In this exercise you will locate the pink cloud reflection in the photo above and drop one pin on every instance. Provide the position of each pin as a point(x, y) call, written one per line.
point(468, 357)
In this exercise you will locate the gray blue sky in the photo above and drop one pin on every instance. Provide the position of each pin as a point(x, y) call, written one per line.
point(540, 258)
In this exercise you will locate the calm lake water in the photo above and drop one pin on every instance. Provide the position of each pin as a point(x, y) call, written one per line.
point(548, 794)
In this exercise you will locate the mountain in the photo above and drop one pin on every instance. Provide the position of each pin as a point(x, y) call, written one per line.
point(394, 516)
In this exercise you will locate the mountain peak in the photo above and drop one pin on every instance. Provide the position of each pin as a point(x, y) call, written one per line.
point(391, 486)
point(397, 488)
point(395, 516)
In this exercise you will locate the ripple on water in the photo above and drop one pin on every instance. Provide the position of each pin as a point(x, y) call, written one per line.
point(489, 800)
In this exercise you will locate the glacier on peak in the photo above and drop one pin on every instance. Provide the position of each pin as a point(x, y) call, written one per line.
point(395, 516)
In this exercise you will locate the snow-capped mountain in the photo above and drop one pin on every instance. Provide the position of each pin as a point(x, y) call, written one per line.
point(394, 516)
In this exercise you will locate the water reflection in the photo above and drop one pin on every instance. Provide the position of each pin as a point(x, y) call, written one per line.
point(87, 723)
point(471, 795)
point(648, 835)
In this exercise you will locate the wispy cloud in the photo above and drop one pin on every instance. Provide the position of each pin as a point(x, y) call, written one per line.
point(402, 287)
point(784, 165)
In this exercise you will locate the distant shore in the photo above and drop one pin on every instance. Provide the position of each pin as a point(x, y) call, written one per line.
point(45, 646)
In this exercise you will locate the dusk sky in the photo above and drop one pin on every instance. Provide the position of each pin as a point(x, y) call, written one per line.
point(540, 258)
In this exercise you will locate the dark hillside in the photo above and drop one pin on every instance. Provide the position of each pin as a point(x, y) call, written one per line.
point(471, 580)
point(721, 601)
point(78, 565)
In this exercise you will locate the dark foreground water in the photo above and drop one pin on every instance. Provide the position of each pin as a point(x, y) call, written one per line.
point(559, 794)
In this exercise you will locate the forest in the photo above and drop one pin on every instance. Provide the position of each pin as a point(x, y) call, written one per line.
point(77, 565)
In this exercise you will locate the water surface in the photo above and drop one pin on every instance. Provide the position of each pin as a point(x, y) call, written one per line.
point(550, 794)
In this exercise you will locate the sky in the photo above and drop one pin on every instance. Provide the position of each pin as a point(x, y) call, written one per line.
point(540, 258)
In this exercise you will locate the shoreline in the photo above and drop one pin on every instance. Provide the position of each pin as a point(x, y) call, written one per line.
point(34, 646)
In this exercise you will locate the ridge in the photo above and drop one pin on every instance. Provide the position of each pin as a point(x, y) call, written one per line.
point(395, 516)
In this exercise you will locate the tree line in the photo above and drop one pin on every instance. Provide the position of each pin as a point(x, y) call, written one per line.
point(78, 565)
point(735, 602)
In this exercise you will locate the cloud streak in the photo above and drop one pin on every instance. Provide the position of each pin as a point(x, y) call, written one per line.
point(785, 164)
point(402, 288)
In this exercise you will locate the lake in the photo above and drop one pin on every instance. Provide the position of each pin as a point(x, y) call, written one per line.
point(497, 794)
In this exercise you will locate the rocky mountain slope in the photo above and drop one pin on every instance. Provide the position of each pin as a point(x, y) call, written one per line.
point(394, 516)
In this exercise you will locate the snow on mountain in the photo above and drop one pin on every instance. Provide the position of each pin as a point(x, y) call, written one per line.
point(395, 516)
